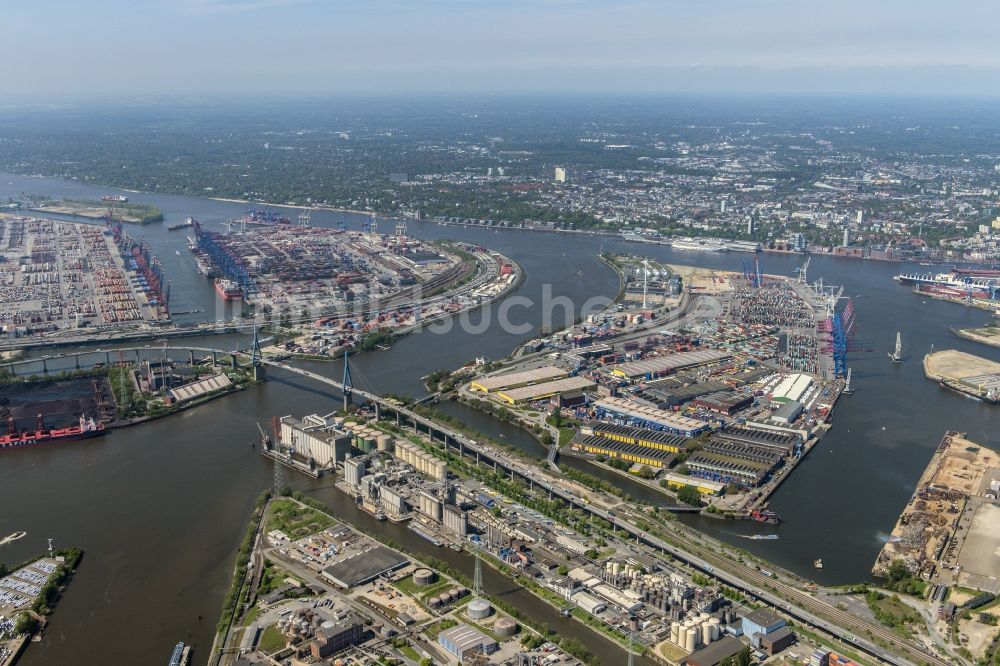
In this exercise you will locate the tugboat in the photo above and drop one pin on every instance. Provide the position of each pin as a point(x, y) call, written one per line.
point(818, 563)
point(765, 516)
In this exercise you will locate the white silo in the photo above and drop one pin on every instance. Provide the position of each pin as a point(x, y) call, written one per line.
point(690, 640)
point(675, 632)
point(706, 633)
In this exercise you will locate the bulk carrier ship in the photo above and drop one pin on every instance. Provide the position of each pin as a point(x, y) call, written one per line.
point(85, 429)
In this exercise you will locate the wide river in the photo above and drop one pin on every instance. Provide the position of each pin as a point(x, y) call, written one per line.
point(159, 508)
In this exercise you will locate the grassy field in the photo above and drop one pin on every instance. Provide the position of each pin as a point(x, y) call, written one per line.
point(295, 520)
point(410, 653)
point(271, 640)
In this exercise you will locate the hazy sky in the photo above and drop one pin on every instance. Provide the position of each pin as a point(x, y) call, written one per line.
point(97, 47)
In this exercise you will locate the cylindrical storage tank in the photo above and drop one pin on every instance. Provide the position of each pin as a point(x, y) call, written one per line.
point(675, 632)
point(478, 609)
point(434, 602)
point(716, 629)
point(368, 444)
point(704, 617)
point(453, 593)
point(706, 633)
point(505, 627)
point(424, 576)
point(445, 598)
point(616, 568)
point(690, 642)
point(462, 592)
point(384, 443)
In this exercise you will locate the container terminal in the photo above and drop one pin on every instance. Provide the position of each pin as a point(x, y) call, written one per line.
point(715, 380)
point(974, 377)
point(60, 277)
point(291, 268)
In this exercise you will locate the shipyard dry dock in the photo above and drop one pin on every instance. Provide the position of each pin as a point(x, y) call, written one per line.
point(949, 532)
point(971, 375)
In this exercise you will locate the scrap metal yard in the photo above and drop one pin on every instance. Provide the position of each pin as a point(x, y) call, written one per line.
point(949, 531)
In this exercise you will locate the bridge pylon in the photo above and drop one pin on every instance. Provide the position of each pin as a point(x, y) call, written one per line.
point(347, 383)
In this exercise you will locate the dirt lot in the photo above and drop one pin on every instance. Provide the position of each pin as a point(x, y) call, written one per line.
point(980, 554)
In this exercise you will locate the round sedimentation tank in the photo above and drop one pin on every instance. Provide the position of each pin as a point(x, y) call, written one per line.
point(478, 609)
point(424, 577)
point(505, 627)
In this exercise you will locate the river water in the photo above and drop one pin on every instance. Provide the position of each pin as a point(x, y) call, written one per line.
point(160, 507)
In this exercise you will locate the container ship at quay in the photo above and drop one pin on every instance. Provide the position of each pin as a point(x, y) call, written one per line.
point(85, 429)
point(228, 290)
point(265, 218)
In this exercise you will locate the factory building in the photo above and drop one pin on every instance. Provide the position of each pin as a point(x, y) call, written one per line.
point(354, 470)
point(513, 380)
point(589, 603)
point(761, 621)
point(392, 502)
point(464, 641)
point(715, 653)
point(334, 636)
point(671, 395)
point(316, 437)
point(420, 460)
point(456, 520)
point(430, 505)
point(629, 412)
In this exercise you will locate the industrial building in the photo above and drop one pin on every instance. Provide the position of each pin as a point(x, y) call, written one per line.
point(315, 437)
point(784, 443)
point(392, 502)
point(636, 414)
point(724, 402)
point(512, 380)
point(704, 486)
point(543, 390)
point(670, 395)
point(787, 413)
point(456, 520)
point(665, 365)
point(589, 603)
point(762, 621)
point(715, 653)
point(354, 470)
point(727, 469)
point(200, 388)
point(633, 453)
point(792, 388)
point(463, 641)
point(430, 505)
point(363, 567)
point(650, 439)
point(334, 636)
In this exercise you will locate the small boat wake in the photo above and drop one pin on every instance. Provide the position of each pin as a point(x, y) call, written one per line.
point(11, 538)
point(756, 537)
